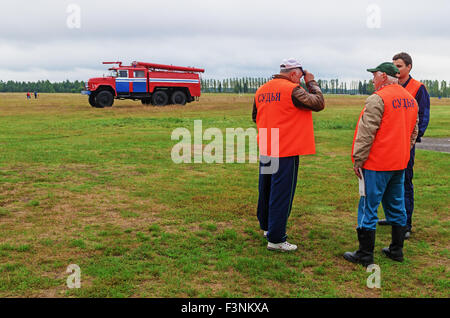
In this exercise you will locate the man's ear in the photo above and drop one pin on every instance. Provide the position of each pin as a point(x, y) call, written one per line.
point(291, 75)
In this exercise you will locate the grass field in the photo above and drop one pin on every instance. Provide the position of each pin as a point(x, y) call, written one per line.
point(98, 188)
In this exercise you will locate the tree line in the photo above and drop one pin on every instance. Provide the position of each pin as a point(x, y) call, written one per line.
point(42, 86)
point(333, 86)
point(227, 85)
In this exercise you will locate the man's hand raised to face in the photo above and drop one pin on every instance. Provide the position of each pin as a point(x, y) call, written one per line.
point(308, 76)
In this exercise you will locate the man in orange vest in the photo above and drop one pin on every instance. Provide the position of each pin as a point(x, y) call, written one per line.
point(386, 131)
point(282, 111)
point(403, 61)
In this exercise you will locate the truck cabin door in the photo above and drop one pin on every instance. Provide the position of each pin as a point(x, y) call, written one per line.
point(122, 82)
point(139, 81)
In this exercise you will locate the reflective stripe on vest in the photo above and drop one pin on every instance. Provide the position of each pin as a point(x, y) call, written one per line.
point(391, 147)
point(413, 87)
point(275, 109)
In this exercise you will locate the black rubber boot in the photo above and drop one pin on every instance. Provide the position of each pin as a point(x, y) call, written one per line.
point(395, 250)
point(383, 222)
point(364, 255)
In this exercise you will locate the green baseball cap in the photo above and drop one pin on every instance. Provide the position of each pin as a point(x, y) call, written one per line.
point(387, 67)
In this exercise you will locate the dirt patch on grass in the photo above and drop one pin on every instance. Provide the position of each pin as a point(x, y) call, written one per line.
point(434, 144)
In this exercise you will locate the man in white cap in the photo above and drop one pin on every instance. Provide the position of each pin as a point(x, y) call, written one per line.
point(283, 109)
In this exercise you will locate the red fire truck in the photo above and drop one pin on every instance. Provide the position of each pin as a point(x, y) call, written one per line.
point(155, 84)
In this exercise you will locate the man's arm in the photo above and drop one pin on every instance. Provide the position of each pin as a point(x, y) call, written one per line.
point(255, 111)
point(423, 100)
point(311, 99)
point(415, 133)
point(367, 129)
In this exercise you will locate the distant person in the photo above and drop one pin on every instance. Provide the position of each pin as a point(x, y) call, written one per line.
point(403, 62)
point(386, 131)
point(35, 95)
point(28, 95)
point(283, 104)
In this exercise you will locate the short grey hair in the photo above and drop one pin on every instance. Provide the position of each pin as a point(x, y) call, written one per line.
point(289, 70)
point(390, 79)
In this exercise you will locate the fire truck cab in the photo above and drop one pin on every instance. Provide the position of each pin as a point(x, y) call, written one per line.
point(155, 84)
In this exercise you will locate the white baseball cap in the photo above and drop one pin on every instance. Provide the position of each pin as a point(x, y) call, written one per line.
point(287, 64)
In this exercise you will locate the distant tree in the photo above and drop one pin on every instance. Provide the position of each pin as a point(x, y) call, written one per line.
point(370, 88)
point(444, 89)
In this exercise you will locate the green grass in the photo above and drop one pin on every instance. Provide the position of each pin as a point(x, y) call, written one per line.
point(97, 188)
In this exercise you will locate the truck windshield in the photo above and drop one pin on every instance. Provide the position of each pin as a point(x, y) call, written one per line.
point(112, 73)
point(123, 73)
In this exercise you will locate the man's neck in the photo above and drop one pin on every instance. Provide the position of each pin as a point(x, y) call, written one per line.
point(384, 85)
point(403, 80)
point(283, 77)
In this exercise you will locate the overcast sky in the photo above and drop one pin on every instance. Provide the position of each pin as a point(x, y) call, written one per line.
point(228, 38)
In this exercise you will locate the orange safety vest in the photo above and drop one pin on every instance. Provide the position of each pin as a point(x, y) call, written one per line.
point(413, 87)
point(391, 147)
point(275, 109)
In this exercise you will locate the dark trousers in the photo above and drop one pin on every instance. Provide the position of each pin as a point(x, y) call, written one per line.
point(276, 193)
point(409, 189)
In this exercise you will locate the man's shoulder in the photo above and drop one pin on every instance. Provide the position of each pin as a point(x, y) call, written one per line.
point(278, 81)
point(269, 82)
point(373, 102)
point(400, 88)
point(402, 92)
point(391, 89)
point(282, 80)
point(415, 83)
point(374, 98)
point(422, 86)
point(413, 80)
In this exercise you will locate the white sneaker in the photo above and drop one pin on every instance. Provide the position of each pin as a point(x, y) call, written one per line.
point(284, 247)
point(265, 234)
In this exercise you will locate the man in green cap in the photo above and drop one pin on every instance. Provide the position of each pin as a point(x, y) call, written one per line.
point(404, 62)
point(387, 129)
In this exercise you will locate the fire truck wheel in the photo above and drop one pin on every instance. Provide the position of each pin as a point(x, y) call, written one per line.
point(92, 100)
point(160, 98)
point(104, 99)
point(178, 97)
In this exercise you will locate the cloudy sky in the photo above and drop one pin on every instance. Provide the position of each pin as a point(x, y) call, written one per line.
point(44, 39)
